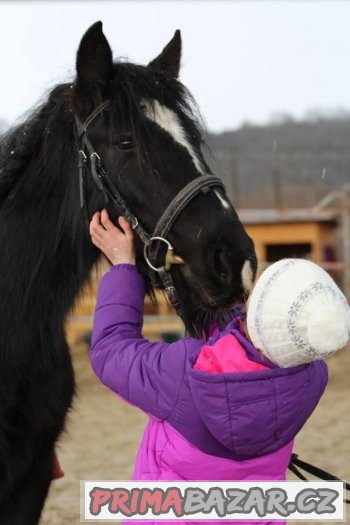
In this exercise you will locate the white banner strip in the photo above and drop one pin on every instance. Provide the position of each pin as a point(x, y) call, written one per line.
point(207, 500)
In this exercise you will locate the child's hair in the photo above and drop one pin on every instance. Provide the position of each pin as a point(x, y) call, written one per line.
point(297, 314)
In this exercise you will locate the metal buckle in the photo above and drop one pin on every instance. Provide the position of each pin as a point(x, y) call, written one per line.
point(82, 156)
point(134, 223)
point(170, 257)
point(96, 156)
point(95, 163)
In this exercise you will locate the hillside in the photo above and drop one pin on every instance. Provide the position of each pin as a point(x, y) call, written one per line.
point(287, 165)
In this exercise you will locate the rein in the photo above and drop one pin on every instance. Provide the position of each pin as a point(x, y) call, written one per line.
point(91, 163)
point(297, 464)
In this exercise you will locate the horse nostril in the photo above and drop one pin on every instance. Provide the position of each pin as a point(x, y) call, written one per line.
point(221, 266)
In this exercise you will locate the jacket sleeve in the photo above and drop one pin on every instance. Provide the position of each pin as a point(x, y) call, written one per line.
point(146, 374)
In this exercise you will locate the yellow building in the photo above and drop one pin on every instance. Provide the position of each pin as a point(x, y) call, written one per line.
point(294, 233)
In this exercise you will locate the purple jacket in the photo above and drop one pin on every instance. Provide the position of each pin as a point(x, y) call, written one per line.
point(230, 426)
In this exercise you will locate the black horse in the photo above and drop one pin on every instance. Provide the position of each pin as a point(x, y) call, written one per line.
point(150, 143)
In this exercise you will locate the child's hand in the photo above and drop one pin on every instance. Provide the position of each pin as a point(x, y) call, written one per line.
point(117, 246)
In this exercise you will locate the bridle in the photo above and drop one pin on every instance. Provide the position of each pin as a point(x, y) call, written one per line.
point(91, 163)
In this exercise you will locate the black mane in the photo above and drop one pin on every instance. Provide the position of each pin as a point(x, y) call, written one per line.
point(34, 137)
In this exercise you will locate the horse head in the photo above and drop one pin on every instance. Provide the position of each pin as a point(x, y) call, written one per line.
point(149, 139)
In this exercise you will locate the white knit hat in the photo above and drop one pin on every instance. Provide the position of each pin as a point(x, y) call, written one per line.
point(296, 313)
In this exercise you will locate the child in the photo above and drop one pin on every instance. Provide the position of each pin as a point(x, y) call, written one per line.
point(296, 315)
point(227, 425)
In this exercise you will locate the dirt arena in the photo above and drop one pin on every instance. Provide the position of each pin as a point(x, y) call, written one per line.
point(103, 434)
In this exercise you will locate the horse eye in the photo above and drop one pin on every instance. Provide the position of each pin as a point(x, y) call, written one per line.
point(124, 143)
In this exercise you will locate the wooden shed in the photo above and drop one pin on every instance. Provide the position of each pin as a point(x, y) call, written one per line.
point(294, 233)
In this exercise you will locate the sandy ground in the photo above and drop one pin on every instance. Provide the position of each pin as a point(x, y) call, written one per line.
point(103, 434)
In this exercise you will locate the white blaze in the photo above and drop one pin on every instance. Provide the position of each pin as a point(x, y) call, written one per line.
point(167, 119)
point(222, 200)
point(247, 276)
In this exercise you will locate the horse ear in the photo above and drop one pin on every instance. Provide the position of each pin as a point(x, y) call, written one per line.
point(94, 62)
point(170, 57)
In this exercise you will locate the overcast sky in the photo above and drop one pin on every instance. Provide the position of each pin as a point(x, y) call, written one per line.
point(242, 60)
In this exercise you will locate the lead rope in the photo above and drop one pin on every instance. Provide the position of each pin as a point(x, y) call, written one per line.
point(295, 462)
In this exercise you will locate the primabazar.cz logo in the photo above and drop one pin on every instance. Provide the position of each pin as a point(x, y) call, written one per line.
point(201, 500)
